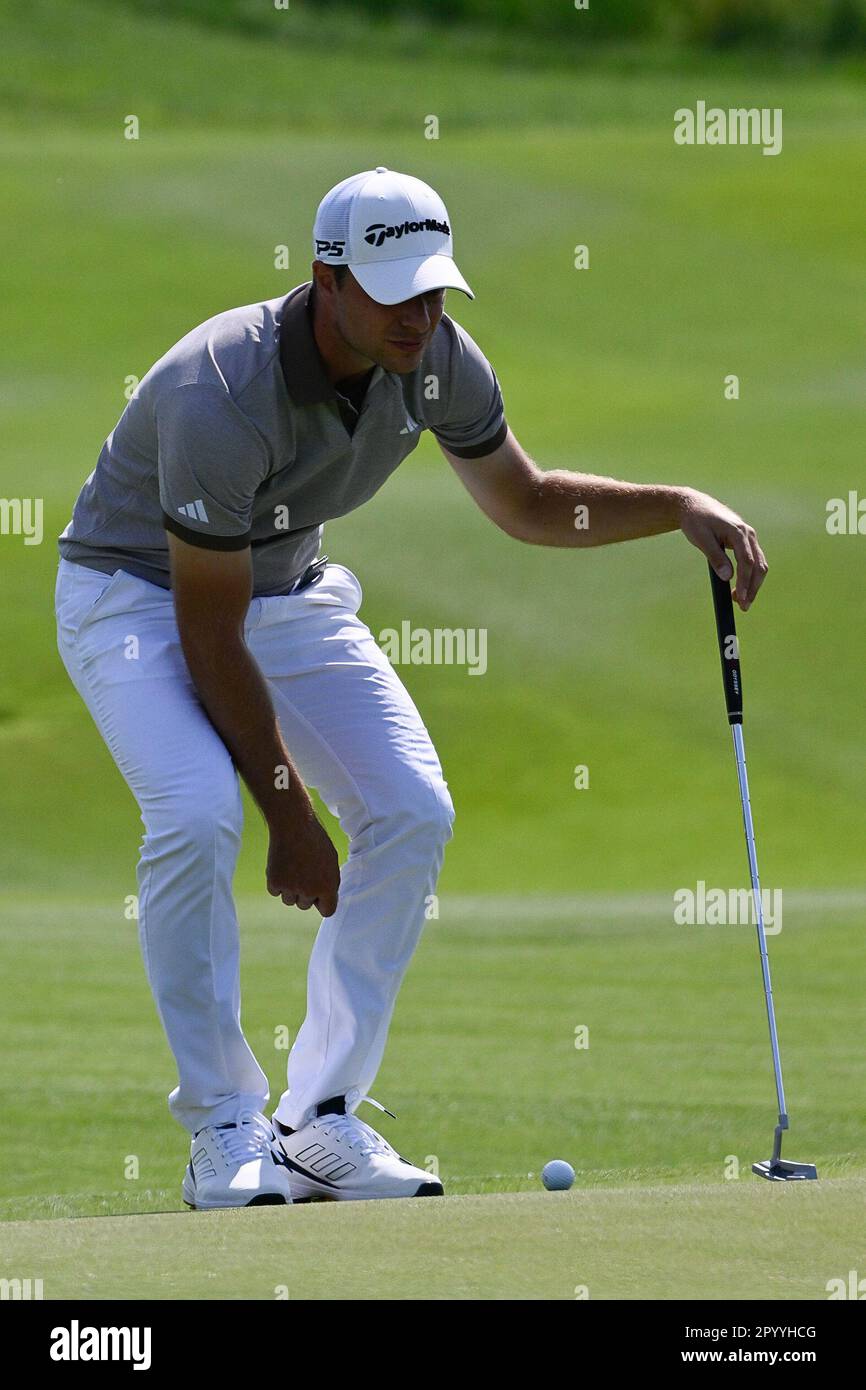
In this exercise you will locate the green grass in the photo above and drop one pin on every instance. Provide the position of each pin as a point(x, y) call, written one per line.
point(626, 1243)
point(313, 69)
point(703, 262)
point(482, 1067)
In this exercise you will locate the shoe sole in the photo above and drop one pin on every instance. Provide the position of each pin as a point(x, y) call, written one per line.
point(309, 1192)
point(261, 1199)
point(264, 1199)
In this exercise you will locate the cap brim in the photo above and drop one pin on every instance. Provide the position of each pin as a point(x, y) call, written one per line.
point(391, 282)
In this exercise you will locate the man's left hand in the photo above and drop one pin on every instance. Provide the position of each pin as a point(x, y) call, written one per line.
point(714, 528)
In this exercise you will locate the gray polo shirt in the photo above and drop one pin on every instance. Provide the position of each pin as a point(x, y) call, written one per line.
point(236, 437)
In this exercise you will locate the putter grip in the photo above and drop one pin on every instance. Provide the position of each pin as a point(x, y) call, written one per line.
point(729, 651)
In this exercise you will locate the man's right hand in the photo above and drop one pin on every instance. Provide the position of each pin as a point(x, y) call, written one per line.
point(303, 868)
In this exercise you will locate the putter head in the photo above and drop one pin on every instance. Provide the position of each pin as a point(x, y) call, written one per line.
point(785, 1170)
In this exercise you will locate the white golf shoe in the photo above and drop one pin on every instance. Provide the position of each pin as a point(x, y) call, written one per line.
point(338, 1157)
point(236, 1165)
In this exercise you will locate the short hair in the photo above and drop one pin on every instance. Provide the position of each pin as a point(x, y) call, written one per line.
point(340, 273)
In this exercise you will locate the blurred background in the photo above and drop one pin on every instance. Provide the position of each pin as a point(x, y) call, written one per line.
point(555, 129)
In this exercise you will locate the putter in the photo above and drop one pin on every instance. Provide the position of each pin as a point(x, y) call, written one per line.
point(775, 1169)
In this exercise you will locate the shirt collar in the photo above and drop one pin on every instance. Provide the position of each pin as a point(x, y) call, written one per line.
point(307, 381)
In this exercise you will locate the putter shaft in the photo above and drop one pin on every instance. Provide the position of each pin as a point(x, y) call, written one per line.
point(742, 776)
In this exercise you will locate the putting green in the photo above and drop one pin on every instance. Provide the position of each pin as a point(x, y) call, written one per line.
point(741, 1240)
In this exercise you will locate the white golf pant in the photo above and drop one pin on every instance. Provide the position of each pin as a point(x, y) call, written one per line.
point(355, 735)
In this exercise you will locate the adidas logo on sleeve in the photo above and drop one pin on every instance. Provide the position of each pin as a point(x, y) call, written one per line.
point(194, 510)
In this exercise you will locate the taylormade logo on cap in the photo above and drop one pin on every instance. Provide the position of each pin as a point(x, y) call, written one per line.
point(394, 232)
point(376, 234)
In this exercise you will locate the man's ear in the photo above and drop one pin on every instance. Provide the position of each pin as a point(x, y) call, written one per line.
point(324, 279)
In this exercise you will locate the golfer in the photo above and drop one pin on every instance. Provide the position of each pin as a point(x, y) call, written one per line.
point(211, 641)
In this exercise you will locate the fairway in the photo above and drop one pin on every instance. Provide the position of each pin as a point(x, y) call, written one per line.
point(684, 1242)
point(555, 1008)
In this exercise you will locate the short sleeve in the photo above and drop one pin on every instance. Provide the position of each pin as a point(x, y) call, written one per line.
point(472, 423)
point(212, 461)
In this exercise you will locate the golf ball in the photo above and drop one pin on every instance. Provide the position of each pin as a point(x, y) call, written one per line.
point(557, 1175)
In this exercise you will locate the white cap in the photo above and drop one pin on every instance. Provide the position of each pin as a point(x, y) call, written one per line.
point(393, 231)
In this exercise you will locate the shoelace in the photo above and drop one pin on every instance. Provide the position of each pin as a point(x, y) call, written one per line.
point(355, 1133)
point(250, 1138)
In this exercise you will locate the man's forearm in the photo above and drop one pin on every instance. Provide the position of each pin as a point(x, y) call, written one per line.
point(235, 696)
point(580, 509)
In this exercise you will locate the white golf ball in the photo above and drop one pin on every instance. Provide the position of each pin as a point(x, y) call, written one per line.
point(557, 1175)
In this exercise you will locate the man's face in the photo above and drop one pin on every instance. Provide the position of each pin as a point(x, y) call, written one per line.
point(393, 335)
